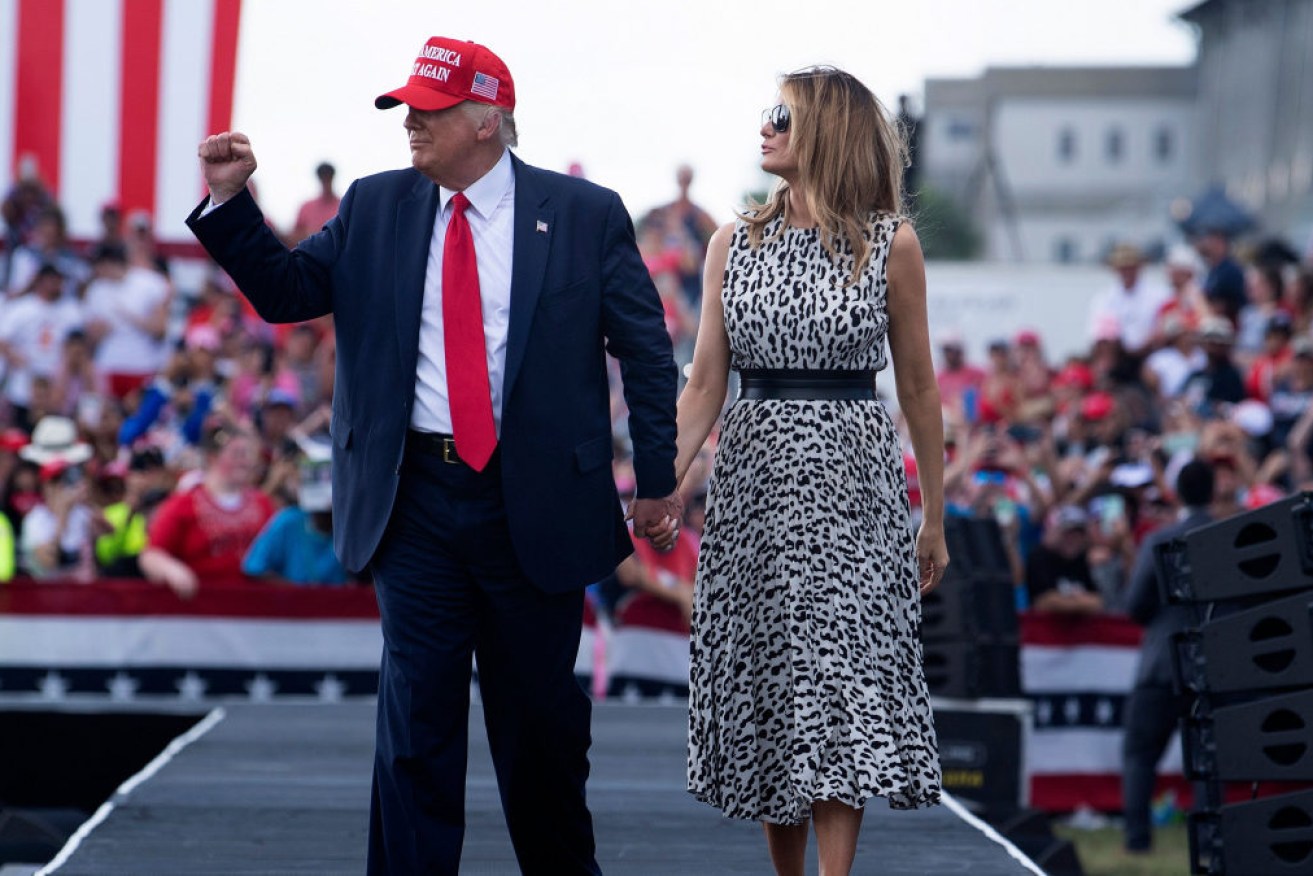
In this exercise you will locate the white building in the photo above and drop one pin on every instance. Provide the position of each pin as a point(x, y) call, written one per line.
point(1255, 120)
point(1058, 163)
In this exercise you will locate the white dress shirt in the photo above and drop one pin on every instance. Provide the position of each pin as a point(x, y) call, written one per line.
point(491, 215)
point(1133, 311)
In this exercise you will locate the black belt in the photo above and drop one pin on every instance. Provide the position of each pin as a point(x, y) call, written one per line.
point(433, 444)
point(802, 384)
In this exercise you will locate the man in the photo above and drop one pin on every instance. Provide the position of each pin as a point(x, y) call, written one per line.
point(957, 380)
point(127, 315)
point(1218, 380)
point(32, 332)
point(482, 540)
point(1132, 304)
point(1224, 282)
point(691, 228)
point(316, 212)
point(1058, 576)
point(1154, 708)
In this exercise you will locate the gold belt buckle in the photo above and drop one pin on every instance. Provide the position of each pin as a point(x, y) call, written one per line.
point(449, 451)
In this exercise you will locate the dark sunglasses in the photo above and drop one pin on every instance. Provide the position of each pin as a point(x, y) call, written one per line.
point(777, 117)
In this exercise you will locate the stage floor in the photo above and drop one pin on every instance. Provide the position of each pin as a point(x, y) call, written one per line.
point(274, 788)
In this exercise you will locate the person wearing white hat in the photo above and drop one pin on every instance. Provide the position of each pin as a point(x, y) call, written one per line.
point(58, 534)
point(1186, 301)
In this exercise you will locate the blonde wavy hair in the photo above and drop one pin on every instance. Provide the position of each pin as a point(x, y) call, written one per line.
point(851, 156)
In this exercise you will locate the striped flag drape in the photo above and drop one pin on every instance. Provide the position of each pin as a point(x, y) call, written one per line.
point(107, 99)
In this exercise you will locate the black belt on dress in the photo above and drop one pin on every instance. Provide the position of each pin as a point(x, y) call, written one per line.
point(806, 384)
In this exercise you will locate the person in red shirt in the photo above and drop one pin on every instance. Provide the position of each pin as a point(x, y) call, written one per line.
point(315, 213)
point(203, 533)
point(1273, 361)
point(955, 376)
point(663, 581)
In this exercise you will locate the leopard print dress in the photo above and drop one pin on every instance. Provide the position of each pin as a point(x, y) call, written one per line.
point(806, 680)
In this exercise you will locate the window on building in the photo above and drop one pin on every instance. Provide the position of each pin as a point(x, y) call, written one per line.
point(1066, 145)
point(1164, 144)
point(1064, 250)
point(1114, 145)
point(961, 129)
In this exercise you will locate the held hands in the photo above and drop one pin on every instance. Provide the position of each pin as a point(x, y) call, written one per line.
point(657, 520)
point(227, 162)
point(931, 556)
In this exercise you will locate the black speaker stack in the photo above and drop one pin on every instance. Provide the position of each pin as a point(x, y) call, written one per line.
point(969, 622)
point(969, 639)
point(1248, 663)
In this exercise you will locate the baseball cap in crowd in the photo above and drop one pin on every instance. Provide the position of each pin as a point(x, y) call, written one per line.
point(1125, 255)
point(49, 269)
point(202, 337)
point(951, 338)
point(279, 396)
point(1254, 417)
point(1075, 374)
point(448, 72)
point(1027, 338)
point(1217, 329)
point(1097, 406)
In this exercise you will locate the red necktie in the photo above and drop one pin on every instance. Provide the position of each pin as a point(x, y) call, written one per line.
point(468, 392)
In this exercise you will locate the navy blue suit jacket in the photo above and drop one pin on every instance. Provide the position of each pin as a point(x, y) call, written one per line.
point(578, 289)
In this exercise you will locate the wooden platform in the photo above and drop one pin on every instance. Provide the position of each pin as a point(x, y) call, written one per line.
point(274, 788)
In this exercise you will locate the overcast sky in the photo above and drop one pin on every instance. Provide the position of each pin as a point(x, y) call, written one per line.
point(632, 89)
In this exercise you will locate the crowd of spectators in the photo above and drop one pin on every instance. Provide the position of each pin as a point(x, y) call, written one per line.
point(175, 435)
point(147, 431)
point(1076, 458)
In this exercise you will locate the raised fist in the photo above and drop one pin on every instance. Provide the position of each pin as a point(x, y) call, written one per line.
point(227, 162)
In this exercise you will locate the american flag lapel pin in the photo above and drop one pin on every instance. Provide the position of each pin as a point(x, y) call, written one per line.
point(541, 227)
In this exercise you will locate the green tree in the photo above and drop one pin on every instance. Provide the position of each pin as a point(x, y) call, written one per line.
point(945, 229)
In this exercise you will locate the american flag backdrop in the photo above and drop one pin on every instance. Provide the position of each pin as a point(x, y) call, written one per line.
point(1077, 674)
point(107, 100)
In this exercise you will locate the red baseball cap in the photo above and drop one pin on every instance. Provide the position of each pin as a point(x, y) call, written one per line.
point(1097, 405)
point(448, 72)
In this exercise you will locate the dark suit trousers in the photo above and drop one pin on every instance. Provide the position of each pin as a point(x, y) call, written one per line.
point(449, 586)
point(1152, 714)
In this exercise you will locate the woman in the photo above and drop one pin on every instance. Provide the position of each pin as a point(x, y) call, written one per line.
point(807, 692)
point(202, 534)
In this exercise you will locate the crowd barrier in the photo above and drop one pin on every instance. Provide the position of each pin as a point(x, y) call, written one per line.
point(126, 639)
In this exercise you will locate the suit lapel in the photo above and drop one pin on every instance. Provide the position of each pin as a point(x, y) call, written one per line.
point(414, 234)
point(533, 235)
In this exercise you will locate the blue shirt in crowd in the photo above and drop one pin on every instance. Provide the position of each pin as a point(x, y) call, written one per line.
point(290, 547)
